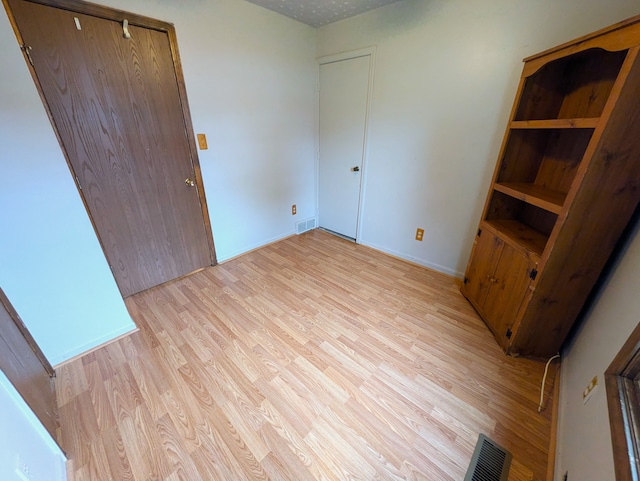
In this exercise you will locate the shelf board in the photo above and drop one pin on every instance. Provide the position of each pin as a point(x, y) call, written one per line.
point(590, 123)
point(542, 197)
point(519, 235)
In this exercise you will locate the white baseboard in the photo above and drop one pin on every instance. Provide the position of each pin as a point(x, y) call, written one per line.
point(89, 346)
point(415, 260)
point(232, 255)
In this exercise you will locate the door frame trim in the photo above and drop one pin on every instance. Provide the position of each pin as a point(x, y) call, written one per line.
point(109, 13)
point(31, 377)
point(324, 60)
point(622, 396)
point(19, 323)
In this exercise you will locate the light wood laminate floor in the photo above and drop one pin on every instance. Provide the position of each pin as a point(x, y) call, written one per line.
point(312, 358)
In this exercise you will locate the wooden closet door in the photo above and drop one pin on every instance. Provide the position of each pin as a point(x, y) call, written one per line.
point(116, 106)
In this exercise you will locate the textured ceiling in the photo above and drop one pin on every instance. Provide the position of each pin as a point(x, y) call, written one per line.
point(321, 12)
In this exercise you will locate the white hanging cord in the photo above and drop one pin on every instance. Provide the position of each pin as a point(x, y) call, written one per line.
point(544, 381)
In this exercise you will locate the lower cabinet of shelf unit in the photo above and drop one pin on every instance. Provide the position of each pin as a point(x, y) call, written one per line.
point(496, 283)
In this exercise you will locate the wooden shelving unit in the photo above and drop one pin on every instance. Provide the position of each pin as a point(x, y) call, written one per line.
point(565, 185)
point(521, 237)
point(555, 124)
point(537, 195)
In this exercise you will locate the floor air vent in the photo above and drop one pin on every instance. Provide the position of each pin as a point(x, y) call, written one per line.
point(305, 225)
point(489, 462)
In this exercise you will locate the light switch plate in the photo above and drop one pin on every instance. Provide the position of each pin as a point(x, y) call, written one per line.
point(202, 141)
point(589, 390)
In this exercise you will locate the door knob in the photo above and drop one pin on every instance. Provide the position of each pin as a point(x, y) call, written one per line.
point(189, 182)
point(356, 169)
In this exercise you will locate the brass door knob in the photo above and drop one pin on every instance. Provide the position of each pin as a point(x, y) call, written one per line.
point(189, 182)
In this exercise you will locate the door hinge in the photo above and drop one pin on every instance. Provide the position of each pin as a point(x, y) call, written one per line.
point(27, 51)
point(479, 232)
point(465, 280)
point(533, 274)
point(508, 334)
point(78, 182)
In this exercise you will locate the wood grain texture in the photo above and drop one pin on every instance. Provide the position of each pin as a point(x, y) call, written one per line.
point(548, 158)
point(118, 107)
point(507, 291)
point(519, 236)
point(485, 255)
point(539, 196)
point(590, 76)
point(494, 285)
point(565, 194)
point(573, 87)
point(601, 205)
point(24, 364)
point(109, 13)
point(588, 123)
point(309, 359)
point(526, 218)
point(617, 37)
point(562, 157)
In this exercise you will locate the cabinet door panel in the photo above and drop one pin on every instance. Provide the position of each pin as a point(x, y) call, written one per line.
point(486, 253)
point(510, 282)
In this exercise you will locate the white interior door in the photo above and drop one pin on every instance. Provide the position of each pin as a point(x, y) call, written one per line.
point(344, 87)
